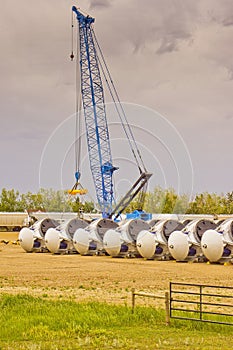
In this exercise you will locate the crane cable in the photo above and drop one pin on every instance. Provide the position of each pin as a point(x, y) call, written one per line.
point(121, 107)
point(78, 119)
point(118, 112)
point(78, 125)
point(72, 37)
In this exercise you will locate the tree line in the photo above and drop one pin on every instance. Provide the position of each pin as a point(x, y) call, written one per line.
point(48, 200)
point(158, 201)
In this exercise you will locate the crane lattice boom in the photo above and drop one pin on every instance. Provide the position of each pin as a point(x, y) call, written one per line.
point(95, 116)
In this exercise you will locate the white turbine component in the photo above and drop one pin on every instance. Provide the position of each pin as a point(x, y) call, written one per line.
point(146, 244)
point(112, 242)
point(212, 245)
point(164, 228)
point(178, 245)
point(226, 227)
point(59, 240)
point(32, 239)
point(52, 240)
point(192, 234)
point(81, 241)
point(196, 228)
point(130, 229)
point(26, 239)
point(90, 241)
point(161, 232)
point(127, 232)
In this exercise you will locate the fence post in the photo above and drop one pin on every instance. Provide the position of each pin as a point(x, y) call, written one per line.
point(133, 299)
point(200, 303)
point(167, 308)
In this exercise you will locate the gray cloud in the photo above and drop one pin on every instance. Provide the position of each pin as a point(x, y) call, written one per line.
point(95, 4)
point(167, 46)
point(228, 21)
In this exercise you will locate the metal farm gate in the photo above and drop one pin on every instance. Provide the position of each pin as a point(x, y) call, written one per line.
point(198, 302)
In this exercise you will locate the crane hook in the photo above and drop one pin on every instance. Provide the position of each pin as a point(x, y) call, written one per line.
point(72, 56)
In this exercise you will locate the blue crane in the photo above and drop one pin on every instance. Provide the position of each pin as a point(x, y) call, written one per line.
point(92, 63)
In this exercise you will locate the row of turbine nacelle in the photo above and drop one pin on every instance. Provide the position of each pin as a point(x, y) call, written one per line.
point(185, 245)
point(32, 239)
point(90, 240)
point(217, 245)
point(74, 235)
point(60, 239)
point(166, 239)
point(122, 241)
point(48, 235)
point(153, 244)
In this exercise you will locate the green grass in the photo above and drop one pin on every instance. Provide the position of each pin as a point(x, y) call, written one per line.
point(27, 322)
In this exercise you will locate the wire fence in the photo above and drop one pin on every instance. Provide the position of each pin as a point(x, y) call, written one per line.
point(195, 302)
point(149, 295)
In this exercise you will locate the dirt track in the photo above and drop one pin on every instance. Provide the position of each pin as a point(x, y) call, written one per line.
point(98, 277)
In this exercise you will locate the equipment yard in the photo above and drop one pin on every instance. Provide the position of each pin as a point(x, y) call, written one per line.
point(99, 278)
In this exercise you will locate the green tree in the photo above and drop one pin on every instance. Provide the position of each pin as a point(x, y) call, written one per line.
point(158, 201)
point(227, 202)
point(77, 206)
point(206, 203)
point(32, 202)
point(89, 207)
point(10, 201)
point(181, 204)
point(154, 201)
point(169, 202)
point(166, 201)
point(54, 200)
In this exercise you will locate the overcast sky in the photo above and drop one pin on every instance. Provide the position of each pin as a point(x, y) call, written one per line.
point(171, 56)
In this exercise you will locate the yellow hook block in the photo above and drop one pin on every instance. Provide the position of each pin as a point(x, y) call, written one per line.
point(80, 191)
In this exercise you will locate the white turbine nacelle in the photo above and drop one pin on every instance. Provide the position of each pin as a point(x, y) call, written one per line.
point(196, 228)
point(146, 245)
point(90, 240)
point(122, 241)
point(217, 245)
point(153, 244)
point(178, 245)
point(226, 227)
point(185, 245)
point(32, 239)
point(60, 239)
point(212, 245)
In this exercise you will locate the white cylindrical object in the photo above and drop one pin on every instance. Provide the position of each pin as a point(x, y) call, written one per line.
point(212, 245)
point(196, 228)
point(32, 239)
point(178, 245)
point(90, 240)
point(226, 227)
point(122, 241)
point(146, 244)
point(112, 242)
point(164, 228)
point(59, 240)
point(81, 241)
point(26, 239)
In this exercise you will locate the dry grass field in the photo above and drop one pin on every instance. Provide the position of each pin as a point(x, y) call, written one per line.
point(99, 278)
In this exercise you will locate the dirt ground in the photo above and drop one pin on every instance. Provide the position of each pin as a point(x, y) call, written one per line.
point(99, 278)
